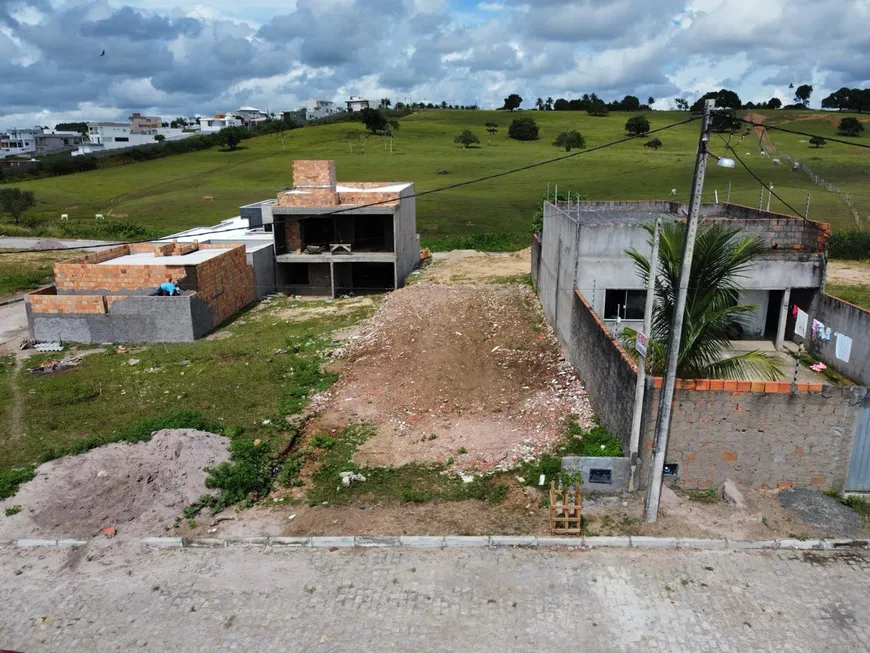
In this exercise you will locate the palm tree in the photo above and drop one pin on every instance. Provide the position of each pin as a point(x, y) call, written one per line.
point(548, 104)
point(712, 308)
point(539, 104)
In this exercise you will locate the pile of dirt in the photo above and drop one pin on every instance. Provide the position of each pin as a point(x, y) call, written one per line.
point(137, 488)
point(823, 512)
point(472, 373)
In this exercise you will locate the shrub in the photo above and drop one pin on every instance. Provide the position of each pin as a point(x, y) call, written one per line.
point(524, 129)
point(818, 141)
point(653, 144)
point(571, 139)
point(854, 244)
point(466, 138)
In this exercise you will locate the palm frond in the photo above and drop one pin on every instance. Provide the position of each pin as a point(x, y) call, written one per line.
point(754, 364)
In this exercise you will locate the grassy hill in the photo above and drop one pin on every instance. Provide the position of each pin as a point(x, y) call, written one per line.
point(205, 187)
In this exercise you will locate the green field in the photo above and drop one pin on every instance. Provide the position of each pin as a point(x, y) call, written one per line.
point(205, 187)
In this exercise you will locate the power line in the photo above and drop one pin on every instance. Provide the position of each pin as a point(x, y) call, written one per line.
point(440, 189)
point(763, 185)
point(793, 131)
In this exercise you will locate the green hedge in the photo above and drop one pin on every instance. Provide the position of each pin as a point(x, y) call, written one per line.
point(853, 245)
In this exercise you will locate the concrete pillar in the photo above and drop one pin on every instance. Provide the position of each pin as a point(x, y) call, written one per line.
point(783, 317)
point(332, 278)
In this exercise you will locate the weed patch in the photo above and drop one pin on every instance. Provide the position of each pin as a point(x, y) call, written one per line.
point(411, 483)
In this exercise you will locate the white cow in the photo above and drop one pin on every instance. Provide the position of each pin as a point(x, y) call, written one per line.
point(64, 216)
point(763, 153)
point(776, 162)
point(99, 216)
point(673, 191)
point(749, 154)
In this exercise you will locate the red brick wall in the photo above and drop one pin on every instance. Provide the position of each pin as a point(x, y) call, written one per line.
point(66, 303)
point(314, 173)
point(293, 234)
point(314, 197)
point(91, 277)
point(225, 283)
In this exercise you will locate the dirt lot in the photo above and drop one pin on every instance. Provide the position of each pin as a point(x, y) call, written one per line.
point(470, 372)
point(848, 273)
point(468, 266)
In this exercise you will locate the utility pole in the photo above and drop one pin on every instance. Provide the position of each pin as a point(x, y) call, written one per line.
point(728, 199)
point(769, 194)
point(637, 418)
point(807, 210)
point(761, 198)
point(663, 421)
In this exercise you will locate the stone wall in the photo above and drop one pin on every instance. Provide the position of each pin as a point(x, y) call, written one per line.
point(850, 320)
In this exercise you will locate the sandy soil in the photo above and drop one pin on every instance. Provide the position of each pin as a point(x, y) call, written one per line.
point(440, 368)
point(848, 273)
point(469, 266)
point(137, 488)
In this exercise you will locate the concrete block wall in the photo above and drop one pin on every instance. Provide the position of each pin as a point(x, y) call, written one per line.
point(759, 434)
point(406, 242)
point(607, 372)
point(850, 320)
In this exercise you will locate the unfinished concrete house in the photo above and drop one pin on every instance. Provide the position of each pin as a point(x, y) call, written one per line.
point(330, 240)
point(804, 429)
point(106, 296)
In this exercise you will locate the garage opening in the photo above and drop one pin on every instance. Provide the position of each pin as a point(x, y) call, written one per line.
point(364, 278)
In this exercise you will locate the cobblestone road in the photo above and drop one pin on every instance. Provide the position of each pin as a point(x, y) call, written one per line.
point(477, 600)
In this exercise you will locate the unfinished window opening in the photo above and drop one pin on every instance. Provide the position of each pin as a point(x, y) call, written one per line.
point(671, 470)
point(600, 476)
point(373, 233)
point(298, 274)
point(364, 278)
point(317, 231)
point(623, 303)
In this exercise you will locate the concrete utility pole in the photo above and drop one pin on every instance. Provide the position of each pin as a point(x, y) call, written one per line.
point(637, 418)
point(663, 421)
point(807, 210)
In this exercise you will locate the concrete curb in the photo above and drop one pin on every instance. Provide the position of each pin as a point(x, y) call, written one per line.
point(500, 541)
point(14, 300)
point(466, 542)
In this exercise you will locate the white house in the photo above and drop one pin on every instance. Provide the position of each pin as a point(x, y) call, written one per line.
point(218, 122)
point(19, 142)
point(316, 109)
point(357, 103)
point(252, 115)
point(106, 136)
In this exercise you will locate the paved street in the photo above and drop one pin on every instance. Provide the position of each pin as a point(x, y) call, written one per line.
point(433, 600)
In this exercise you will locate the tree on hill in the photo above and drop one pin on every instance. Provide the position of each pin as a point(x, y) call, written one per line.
point(650, 100)
point(629, 103)
point(373, 119)
point(524, 129)
point(385, 103)
point(725, 99)
point(15, 202)
point(561, 105)
point(713, 309)
point(653, 144)
point(637, 125)
point(850, 127)
point(597, 108)
point(724, 121)
point(570, 140)
point(466, 138)
point(492, 130)
point(539, 104)
point(818, 141)
point(231, 137)
point(512, 101)
point(774, 103)
point(802, 94)
point(682, 104)
point(548, 104)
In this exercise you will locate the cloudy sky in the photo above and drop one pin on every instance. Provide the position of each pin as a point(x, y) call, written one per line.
point(171, 59)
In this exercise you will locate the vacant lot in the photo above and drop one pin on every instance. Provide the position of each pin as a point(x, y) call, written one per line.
point(20, 272)
point(849, 280)
point(205, 187)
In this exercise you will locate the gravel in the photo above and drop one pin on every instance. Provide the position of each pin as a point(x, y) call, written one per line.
point(823, 512)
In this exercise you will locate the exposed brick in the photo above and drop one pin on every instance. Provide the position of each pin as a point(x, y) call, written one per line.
point(729, 456)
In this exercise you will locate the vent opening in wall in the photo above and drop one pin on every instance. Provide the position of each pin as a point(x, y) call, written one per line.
point(600, 476)
point(671, 470)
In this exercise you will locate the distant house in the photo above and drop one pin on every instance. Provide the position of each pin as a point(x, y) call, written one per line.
point(296, 115)
point(107, 136)
point(52, 142)
point(357, 103)
point(217, 122)
point(140, 123)
point(19, 142)
point(252, 115)
point(317, 109)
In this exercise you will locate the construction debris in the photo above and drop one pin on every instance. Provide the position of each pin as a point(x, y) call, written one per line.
point(48, 346)
point(53, 365)
point(351, 477)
